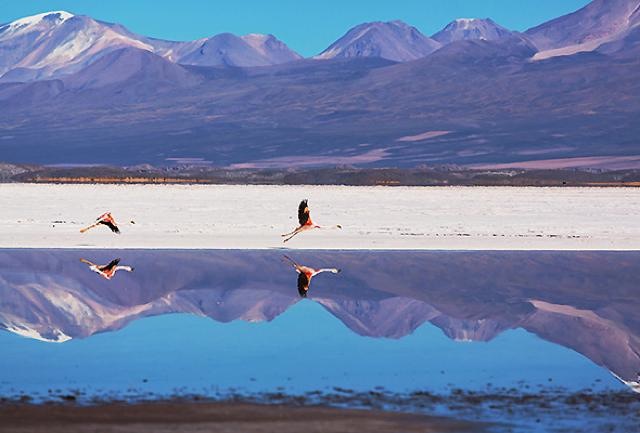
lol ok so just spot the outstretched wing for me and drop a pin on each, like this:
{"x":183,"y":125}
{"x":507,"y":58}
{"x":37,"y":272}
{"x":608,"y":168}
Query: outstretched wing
{"x":303,"y":284}
{"x":303,"y":212}
{"x":114,"y":228}
{"x":112,"y":264}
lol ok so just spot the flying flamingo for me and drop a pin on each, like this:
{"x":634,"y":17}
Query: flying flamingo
{"x":305,"y":221}
{"x":305,"y":274}
{"x":105,"y":219}
{"x":109,"y":270}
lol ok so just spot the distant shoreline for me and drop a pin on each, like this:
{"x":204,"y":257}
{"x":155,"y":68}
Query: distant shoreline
{"x":348,"y":176}
{"x":343,"y":411}
{"x":197,"y":181}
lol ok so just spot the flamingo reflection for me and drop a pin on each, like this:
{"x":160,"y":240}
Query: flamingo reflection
{"x":109,"y":270}
{"x":305,"y":274}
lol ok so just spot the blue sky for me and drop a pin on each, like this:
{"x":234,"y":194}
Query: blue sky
{"x":306,"y":26}
{"x":183,"y":352}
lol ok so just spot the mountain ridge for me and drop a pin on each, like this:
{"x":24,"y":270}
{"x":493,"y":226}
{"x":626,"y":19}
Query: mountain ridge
{"x":59,"y":43}
{"x":393,"y":40}
{"x":599,"y":22}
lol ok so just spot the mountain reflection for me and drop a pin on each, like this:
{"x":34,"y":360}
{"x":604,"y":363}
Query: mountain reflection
{"x":586,"y":301}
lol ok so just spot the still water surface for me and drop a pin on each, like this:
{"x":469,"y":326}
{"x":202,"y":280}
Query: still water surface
{"x":210,"y":322}
{"x":531,"y":341}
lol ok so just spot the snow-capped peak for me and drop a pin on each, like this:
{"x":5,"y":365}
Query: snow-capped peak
{"x":393,"y":40}
{"x":55,"y":17}
{"x":471,"y":29}
{"x":57,"y":336}
{"x":256,"y":37}
{"x":271,"y":48}
{"x":39,"y":22}
{"x":257,"y":41}
{"x":465,"y":22}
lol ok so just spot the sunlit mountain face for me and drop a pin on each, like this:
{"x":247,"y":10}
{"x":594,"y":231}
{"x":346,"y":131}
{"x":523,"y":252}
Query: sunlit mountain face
{"x":383,"y":95}
{"x":569,"y":302}
{"x":58,"y":43}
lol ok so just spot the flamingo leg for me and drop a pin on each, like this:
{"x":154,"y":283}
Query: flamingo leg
{"x":289,"y":234}
{"x":295,"y":232}
{"x":291,"y":260}
{"x":295,"y":265}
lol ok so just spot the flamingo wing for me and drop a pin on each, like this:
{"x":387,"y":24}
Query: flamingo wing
{"x":303,"y":284}
{"x":112,"y":264}
{"x":303,"y":213}
{"x":114,"y":228}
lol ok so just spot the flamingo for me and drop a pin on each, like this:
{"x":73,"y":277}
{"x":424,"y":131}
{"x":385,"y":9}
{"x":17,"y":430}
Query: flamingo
{"x":105,"y":219}
{"x":109,"y":270}
{"x":304,"y":218}
{"x":305,"y":274}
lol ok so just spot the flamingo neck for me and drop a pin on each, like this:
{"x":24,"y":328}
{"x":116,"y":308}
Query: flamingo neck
{"x":332,"y":270}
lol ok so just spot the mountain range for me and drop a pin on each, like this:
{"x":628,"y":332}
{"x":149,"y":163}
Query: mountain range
{"x":600,"y":22}
{"x":58,"y":43}
{"x":75,"y":90}
{"x":51,"y":296}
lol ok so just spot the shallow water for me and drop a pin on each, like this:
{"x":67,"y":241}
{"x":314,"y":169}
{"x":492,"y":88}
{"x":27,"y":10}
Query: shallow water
{"x":220,"y":323}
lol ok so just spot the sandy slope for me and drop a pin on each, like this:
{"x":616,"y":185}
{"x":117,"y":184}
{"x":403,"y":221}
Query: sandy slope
{"x":179,"y":216}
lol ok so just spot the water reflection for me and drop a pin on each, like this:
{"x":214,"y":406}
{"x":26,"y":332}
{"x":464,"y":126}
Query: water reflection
{"x":306,"y":273}
{"x":109,"y":270}
{"x":585,"y":301}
